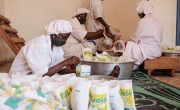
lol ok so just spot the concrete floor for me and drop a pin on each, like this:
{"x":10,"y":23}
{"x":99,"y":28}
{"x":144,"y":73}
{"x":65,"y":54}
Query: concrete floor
{"x":174,"y":81}
{"x":166,"y":78}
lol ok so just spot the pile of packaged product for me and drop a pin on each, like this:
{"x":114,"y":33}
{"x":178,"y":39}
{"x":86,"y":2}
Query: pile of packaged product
{"x":104,"y":57}
{"x":168,"y":48}
{"x":64,"y":92}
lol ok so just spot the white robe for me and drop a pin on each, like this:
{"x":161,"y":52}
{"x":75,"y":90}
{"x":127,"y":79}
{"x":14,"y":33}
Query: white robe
{"x":76,"y":42}
{"x":37,"y":57}
{"x":96,"y":10}
{"x":145,"y":43}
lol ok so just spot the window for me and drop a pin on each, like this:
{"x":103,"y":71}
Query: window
{"x":178,"y":24}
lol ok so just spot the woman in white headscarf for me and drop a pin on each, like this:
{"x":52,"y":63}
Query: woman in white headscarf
{"x":145,"y":42}
{"x":79,"y":37}
{"x":44,"y":55}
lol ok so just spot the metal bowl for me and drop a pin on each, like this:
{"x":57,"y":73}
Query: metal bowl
{"x":105,"y":68}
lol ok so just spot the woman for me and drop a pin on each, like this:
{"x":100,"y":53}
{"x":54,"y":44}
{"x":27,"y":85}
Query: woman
{"x":44,"y":55}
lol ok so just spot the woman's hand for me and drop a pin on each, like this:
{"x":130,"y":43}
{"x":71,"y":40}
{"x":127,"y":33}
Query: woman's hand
{"x":107,"y":29}
{"x":100,"y":32}
{"x":71,"y":61}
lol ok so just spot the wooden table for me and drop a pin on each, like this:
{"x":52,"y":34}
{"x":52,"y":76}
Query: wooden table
{"x":162,"y":63}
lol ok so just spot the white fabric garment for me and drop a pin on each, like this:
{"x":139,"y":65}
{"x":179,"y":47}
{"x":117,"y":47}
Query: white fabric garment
{"x":145,"y":7}
{"x":37,"y":57}
{"x":58,"y":26}
{"x":96,"y":10}
{"x":80,"y":11}
{"x":76,"y":42}
{"x":145,"y":42}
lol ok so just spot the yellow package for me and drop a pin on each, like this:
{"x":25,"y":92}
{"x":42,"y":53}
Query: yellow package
{"x":98,"y":102}
{"x":99,"y":98}
{"x":63,"y":94}
{"x":127,"y":94}
{"x":87,"y":54}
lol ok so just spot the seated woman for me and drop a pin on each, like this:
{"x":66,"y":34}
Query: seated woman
{"x":145,"y":42}
{"x":79,"y":37}
{"x":43,"y":55}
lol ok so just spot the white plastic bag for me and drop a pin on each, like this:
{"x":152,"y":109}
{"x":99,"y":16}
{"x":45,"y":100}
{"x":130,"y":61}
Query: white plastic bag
{"x":48,"y":87}
{"x":16,"y":81}
{"x":6,"y":80}
{"x":35,"y":84}
{"x":19,"y":75}
{"x":4,"y":75}
{"x":35,"y":94}
{"x":127,"y":94}
{"x":23,"y":79}
{"x":99,"y":98}
{"x":63,"y":94}
{"x":56,"y":76}
{"x":45,"y":79}
{"x":70,"y":79}
{"x":115,"y":98}
{"x":59,"y":79}
{"x":80,"y":94}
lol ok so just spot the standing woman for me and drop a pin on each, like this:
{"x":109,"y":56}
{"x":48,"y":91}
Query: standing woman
{"x":96,"y":22}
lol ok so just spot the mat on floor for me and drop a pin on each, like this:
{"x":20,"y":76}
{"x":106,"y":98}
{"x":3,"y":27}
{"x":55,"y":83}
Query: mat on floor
{"x":151,"y":94}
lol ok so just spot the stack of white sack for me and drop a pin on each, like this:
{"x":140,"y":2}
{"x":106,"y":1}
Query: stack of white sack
{"x":60,"y":87}
{"x":104,"y":95}
{"x":36,"y":91}
{"x":64,"y":92}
